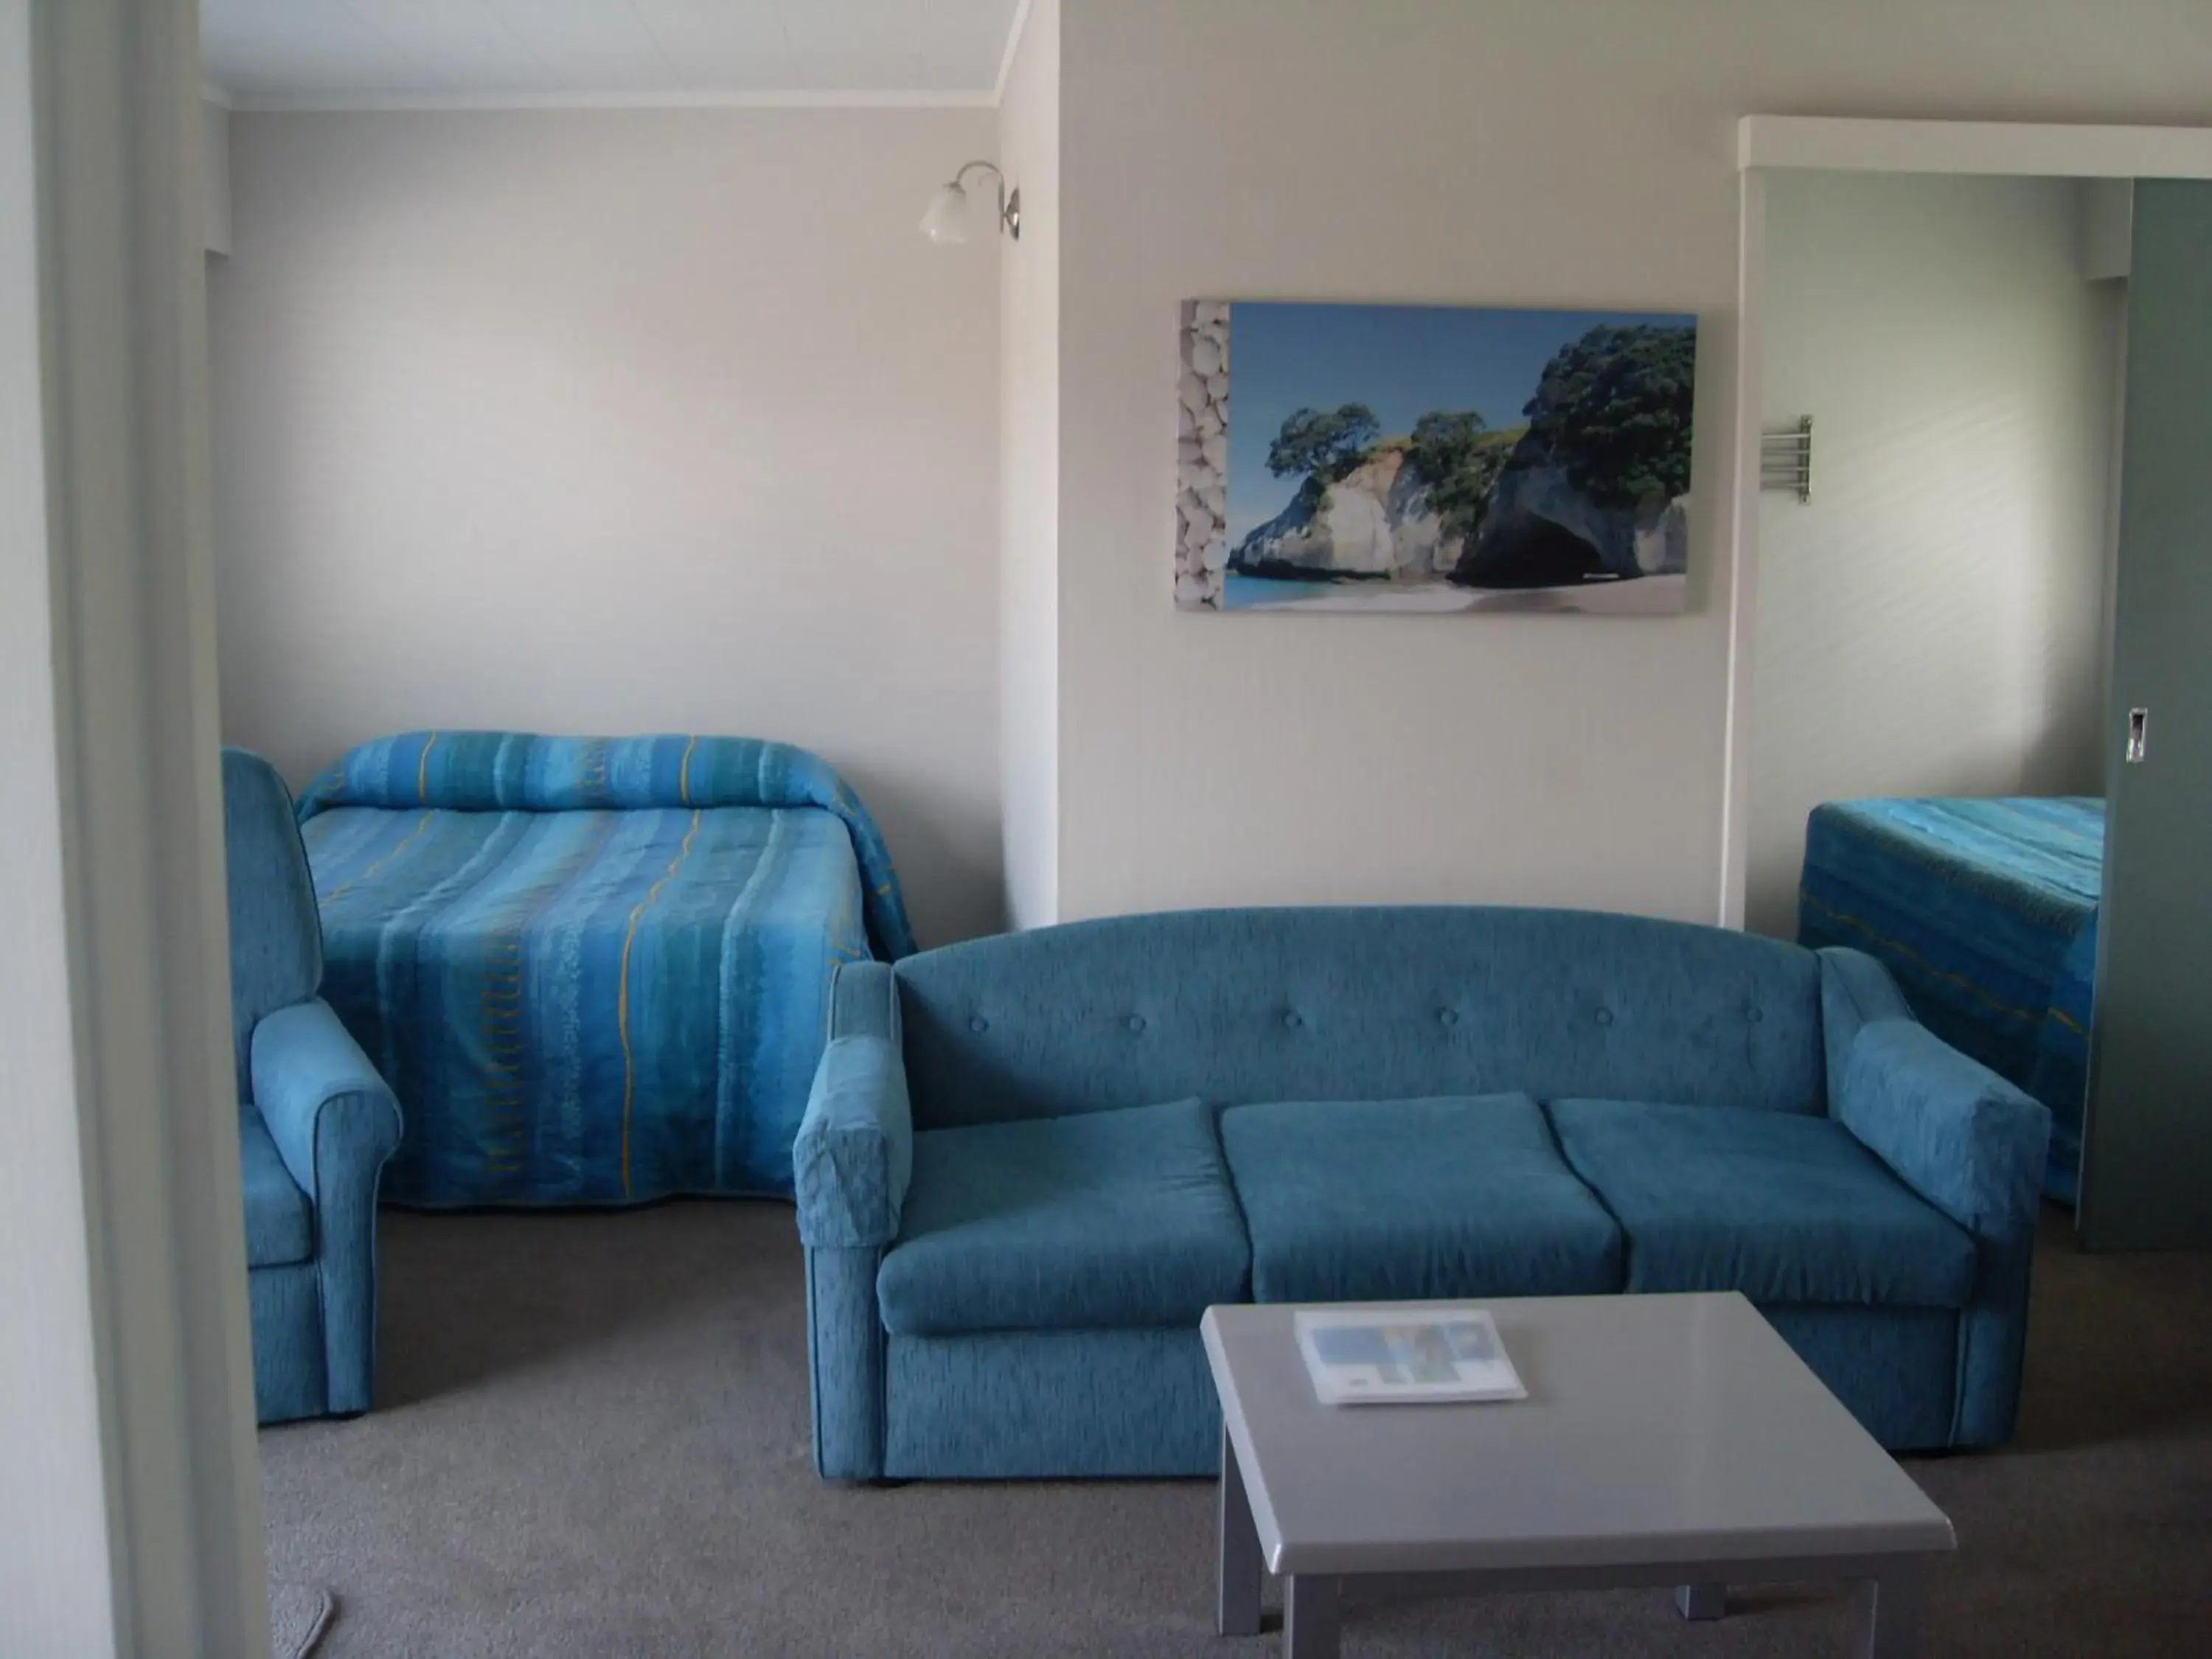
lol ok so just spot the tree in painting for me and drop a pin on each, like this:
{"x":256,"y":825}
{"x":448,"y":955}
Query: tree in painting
{"x":1614,"y":409}
{"x":1323,"y":446}
{"x":1458,"y":458}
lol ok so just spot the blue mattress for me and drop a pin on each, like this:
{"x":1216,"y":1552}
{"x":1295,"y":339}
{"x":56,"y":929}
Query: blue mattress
{"x":1985,"y":911}
{"x":594,"y":971}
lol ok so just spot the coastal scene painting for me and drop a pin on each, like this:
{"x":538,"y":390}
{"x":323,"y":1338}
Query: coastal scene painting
{"x":1423,"y":459}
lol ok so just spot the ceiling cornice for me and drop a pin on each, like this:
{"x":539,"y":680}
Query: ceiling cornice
{"x":1013,"y":47}
{"x":368,"y":102}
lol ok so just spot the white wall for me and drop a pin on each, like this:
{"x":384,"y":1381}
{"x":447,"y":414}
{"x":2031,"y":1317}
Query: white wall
{"x":1028,"y":475}
{"x":615,"y":422}
{"x":1566,"y":155}
{"x":1932,"y":623}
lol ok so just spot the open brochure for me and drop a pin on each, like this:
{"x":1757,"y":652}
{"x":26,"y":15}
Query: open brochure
{"x":1440,"y":1353}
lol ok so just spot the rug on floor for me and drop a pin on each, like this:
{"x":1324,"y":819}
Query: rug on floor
{"x":298,"y":1616}
{"x":590,"y":1439}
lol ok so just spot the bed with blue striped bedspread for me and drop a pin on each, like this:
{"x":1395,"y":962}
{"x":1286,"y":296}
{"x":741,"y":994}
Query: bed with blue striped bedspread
{"x":1985,"y":911}
{"x":594,"y":971}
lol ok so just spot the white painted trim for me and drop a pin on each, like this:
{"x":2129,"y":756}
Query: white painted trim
{"x":215,"y":177}
{"x":1846,"y":145}
{"x":1013,"y":49}
{"x":58,"y":1586}
{"x":1743,"y":543}
{"x":332,"y":103}
{"x":132,"y":774}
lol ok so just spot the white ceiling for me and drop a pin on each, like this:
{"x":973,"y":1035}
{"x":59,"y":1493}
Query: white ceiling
{"x":325,"y":54}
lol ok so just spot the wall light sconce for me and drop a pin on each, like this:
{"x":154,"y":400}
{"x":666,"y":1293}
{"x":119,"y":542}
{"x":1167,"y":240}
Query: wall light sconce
{"x":947,"y":218}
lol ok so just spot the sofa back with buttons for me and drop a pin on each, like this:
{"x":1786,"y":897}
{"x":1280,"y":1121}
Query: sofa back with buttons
{"x":1359,"y":1003}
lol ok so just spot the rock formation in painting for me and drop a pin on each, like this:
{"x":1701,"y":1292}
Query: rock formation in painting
{"x":1379,"y":520}
{"x":1594,"y":488}
{"x":1597,"y":486}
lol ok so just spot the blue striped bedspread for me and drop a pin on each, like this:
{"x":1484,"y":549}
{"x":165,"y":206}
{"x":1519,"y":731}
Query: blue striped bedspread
{"x":594,"y":971}
{"x":1985,"y":911}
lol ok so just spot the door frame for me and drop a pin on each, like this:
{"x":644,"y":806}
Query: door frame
{"x":1767,"y":144}
{"x":131,"y":1521}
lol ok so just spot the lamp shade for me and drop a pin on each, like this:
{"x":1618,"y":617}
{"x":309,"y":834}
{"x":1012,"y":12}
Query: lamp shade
{"x":947,"y":218}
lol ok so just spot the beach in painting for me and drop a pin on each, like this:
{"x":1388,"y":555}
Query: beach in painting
{"x":1651,"y":596}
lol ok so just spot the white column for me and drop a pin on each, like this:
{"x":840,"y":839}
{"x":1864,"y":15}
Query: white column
{"x":130,"y":1517}
{"x":56,"y":1593}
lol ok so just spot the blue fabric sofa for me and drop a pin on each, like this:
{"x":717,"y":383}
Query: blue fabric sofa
{"x":315,"y":1122}
{"x":1029,"y":1162}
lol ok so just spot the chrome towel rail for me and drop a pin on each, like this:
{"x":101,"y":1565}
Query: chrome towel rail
{"x":1785,"y":460}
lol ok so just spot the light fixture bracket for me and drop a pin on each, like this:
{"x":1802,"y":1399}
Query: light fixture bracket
{"x":1009,"y":204}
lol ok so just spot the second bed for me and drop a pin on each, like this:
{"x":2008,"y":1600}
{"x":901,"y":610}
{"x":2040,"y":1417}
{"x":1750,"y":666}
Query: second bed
{"x":1985,"y":913}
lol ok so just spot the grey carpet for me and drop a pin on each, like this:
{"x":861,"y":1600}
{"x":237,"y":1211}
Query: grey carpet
{"x":590,"y":1440}
{"x":299,"y":1614}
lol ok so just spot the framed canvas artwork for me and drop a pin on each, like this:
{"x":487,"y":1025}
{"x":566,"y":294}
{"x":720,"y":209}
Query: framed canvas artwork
{"x":1432,"y":459}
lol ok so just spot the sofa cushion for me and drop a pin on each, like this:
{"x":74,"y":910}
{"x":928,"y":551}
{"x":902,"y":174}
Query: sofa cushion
{"x":1107,"y":1219}
{"x":280,"y":1222}
{"x":1390,"y":1199}
{"x":1785,"y":1208}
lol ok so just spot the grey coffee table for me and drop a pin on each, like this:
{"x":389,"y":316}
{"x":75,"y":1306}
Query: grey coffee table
{"x":1665,"y":1440}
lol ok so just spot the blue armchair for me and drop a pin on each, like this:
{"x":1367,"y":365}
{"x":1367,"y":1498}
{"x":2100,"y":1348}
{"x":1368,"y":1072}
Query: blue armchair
{"x":315,"y":1122}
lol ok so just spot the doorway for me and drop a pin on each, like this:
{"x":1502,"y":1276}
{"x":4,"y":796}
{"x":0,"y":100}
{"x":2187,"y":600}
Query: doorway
{"x":1922,"y":733}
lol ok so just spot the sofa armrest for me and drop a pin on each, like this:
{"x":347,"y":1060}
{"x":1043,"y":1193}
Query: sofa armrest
{"x":845,"y":1362}
{"x":864,"y":1001}
{"x":854,"y":1154}
{"x":335,"y":1125}
{"x":1973,"y":1146}
{"x":1855,"y":991}
{"x":334,"y":1121}
{"x":1963,"y":1138}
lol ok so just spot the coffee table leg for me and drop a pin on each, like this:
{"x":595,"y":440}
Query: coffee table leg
{"x":1701,"y":1601}
{"x":1313,"y":1616}
{"x":1892,"y":1604}
{"x":1237,"y":1607}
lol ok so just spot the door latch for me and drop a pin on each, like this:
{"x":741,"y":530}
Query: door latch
{"x":2138,"y":734}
